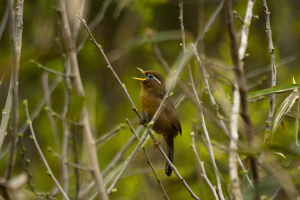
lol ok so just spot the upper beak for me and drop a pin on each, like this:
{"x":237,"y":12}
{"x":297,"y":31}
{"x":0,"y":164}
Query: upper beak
{"x":140,"y":79}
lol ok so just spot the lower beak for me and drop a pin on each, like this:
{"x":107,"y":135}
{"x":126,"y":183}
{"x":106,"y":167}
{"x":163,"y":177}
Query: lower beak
{"x":140,"y":79}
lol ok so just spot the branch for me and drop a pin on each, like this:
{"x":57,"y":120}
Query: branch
{"x":16,"y":28}
{"x":64,"y":160}
{"x":74,"y":70}
{"x":50,"y":117}
{"x":240,"y":77}
{"x":202,"y":167}
{"x":149,"y":161}
{"x":71,"y":52}
{"x":54,"y":114}
{"x":4,"y":20}
{"x":233,"y":145}
{"x":273,"y":70}
{"x":50,"y":70}
{"x":115,"y":130}
{"x":210,"y":22}
{"x":94,"y":23}
{"x":41,"y":153}
{"x":40,"y":105}
{"x":198,"y":101}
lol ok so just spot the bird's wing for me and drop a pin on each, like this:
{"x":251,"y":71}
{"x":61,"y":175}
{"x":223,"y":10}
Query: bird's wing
{"x":172,"y":115}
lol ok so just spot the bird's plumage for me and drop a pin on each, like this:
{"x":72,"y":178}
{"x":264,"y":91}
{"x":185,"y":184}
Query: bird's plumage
{"x":168,"y":123}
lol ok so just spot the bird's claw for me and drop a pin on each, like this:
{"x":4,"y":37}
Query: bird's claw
{"x":142,"y":121}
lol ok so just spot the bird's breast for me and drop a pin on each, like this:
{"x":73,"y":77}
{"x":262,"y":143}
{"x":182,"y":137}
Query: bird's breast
{"x":162,"y":125}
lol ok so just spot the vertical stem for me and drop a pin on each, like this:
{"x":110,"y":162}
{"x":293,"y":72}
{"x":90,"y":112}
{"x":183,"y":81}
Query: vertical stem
{"x":74,"y":72}
{"x":240,"y":76}
{"x":16,"y":27}
{"x":233,"y":145}
{"x":76,"y":170}
{"x":273,"y":70}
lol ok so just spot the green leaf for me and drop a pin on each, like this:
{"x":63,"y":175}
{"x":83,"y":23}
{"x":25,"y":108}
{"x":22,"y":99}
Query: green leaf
{"x":274,"y":90}
{"x":283,"y":109}
{"x":259,"y":95}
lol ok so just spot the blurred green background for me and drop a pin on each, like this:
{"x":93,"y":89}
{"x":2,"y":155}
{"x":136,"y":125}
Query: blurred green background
{"x":123,"y":35}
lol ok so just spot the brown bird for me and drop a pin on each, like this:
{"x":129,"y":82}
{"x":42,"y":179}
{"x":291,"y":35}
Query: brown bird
{"x":167,"y":124}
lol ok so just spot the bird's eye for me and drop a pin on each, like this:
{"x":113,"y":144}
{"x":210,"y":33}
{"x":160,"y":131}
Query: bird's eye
{"x":150,"y":76}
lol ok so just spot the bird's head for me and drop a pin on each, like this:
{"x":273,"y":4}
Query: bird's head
{"x":153,"y":81}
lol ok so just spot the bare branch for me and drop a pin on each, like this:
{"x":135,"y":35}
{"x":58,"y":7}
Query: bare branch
{"x":75,"y":165}
{"x":41,"y":153}
{"x":41,"y":103}
{"x":50,"y":70}
{"x":273,"y":70}
{"x":71,"y":52}
{"x":16,"y":29}
{"x":50,"y":117}
{"x":240,"y":76}
{"x":233,"y":144}
{"x":202,"y":167}
{"x":4,"y":20}
{"x":149,"y":161}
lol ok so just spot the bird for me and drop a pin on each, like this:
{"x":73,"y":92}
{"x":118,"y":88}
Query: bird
{"x":168,"y":123}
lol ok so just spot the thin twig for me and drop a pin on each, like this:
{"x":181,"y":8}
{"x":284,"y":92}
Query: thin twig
{"x":202,"y":167}
{"x":208,"y":91}
{"x":41,"y":103}
{"x":196,"y":96}
{"x":240,"y":76}
{"x":273,"y":70}
{"x":4,"y":20}
{"x":75,"y":151}
{"x":41,"y":153}
{"x":5,"y":72}
{"x":149,"y":161}
{"x":245,"y":171}
{"x":94,"y":23}
{"x":281,"y":175}
{"x":210,"y":22}
{"x":6,"y":114}
{"x":77,"y":22}
{"x":50,"y":117}
{"x":113,"y":162}
{"x":115,"y":130}
{"x":238,"y":16}
{"x":54,"y":114}
{"x":49,"y":69}
{"x":27,"y":161}
{"x":64,"y":160}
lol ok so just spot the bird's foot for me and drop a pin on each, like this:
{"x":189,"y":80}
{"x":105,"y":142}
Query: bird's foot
{"x":142,"y":121}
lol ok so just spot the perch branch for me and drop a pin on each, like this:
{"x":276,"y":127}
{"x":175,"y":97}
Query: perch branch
{"x":149,"y":161}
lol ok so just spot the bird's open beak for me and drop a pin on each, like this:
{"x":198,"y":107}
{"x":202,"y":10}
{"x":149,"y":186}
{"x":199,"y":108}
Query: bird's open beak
{"x":140,"y":79}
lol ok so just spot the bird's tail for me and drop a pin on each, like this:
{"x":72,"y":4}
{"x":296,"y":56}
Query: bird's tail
{"x":170,"y":148}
